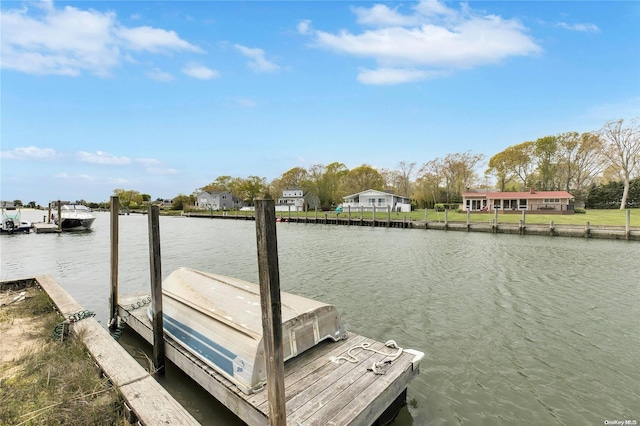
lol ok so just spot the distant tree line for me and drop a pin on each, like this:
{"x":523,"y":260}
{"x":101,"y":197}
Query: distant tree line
{"x":591,"y":166}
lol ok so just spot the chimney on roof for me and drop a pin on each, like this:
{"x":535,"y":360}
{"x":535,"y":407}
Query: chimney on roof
{"x":532,"y":190}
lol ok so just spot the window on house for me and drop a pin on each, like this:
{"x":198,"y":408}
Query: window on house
{"x":382,"y":201}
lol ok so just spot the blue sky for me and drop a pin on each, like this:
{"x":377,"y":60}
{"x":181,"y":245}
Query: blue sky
{"x":163,"y":97}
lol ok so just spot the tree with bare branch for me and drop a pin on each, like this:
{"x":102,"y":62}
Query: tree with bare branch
{"x":620,"y":145}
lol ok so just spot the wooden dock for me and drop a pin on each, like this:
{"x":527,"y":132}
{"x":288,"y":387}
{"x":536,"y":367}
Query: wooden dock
{"x":45,"y":228}
{"x":318,"y":391}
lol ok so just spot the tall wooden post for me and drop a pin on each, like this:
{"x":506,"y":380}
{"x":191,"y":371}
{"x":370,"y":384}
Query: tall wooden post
{"x":59,"y":216}
{"x":388,"y":216}
{"x":271,"y":308}
{"x":374,"y":215}
{"x":627,"y":229}
{"x":113,"y":299}
{"x":156,"y":289}
{"x":468,"y":219}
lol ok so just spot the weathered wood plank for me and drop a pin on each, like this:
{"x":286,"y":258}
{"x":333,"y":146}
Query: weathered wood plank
{"x":147,"y":398}
{"x":326,"y":385}
{"x":373,"y":400}
{"x":300,"y":367}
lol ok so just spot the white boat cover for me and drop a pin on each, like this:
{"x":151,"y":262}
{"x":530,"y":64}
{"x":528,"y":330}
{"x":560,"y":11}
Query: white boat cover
{"x":219,"y":320}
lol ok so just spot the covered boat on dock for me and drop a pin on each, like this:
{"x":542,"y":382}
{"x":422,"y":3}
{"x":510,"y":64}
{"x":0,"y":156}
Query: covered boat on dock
{"x":218,"y":319}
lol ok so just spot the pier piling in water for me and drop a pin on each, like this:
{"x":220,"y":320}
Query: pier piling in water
{"x":269,"y":274}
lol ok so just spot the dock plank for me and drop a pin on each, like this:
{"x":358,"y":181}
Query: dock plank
{"x":373,"y":396}
{"x":151,"y":403}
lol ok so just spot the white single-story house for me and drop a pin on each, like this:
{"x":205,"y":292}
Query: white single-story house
{"x":218,"y":200}
{"x":530,"y":201}
{"x":371,"y":198}
{"x":297,"y":200}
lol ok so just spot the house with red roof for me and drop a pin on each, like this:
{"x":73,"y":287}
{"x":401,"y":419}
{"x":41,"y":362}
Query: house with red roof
{"x":532,"y":201}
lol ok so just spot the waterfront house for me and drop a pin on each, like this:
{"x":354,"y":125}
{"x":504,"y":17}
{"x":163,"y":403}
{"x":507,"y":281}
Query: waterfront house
{"x":367,"y":200}
{"x":218,"y":200}
{"x":530,"y":201}
{"x":297,"y":200}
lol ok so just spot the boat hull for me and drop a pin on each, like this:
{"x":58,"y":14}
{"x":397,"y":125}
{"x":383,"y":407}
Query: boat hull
{"x":218,"y":319}
{"x":77,"y":224}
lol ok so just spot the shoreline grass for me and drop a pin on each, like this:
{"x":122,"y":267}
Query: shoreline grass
{"x":51,"y":382}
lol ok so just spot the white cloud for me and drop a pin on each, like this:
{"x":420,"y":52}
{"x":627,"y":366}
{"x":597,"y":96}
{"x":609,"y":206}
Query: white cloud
{"x":200,"y":72}
{"x":69,"y":41}
{"x":258,"y":61}
{"x":433,"y":38}
{"x":304,"y":26}
{"x":100,"y":157}
{"x":29,"y":153}
{"x":387,"y":76}
{"x":154,"y":40}
{"x":381,"y":15}
{"x":159,"y":75}
{"x":587,"y":28}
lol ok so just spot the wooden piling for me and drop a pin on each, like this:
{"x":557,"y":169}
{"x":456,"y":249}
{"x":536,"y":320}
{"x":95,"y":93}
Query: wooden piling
{"x":59,"y":216}
{"x":587,"y":230}
{"x":552,"y":228}
{"x":113,"y":299}
{"x":269,"y":277}
{"x":627,"y":229}
{"x":156,"y":289}
{"x":374,"y":216}
{"x":468,"y":220}
{"x":388,"y":216}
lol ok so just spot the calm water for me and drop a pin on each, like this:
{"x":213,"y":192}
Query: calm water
{"x":516,"y":329}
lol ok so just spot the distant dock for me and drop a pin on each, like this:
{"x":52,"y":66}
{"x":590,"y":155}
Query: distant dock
{"x":45,"y":228}
{"x":384,"y":220}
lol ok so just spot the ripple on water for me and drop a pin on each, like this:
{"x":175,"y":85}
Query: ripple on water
{"x":516,"y":329}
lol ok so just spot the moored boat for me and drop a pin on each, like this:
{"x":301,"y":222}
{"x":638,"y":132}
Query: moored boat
{"x":12,"y":223}
{"x":218,"y":319}
{"x":74,"y":217}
